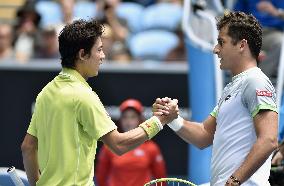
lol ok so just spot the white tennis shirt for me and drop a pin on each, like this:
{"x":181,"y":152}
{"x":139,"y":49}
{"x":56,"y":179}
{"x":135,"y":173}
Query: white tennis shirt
{"x":249,"y":92}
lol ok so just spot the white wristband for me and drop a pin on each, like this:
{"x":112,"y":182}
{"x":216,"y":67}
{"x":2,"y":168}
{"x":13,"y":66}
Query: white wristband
{"x":176,"y":124}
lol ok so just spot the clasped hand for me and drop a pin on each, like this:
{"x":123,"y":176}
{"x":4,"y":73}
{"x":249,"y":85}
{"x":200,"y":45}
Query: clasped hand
{"x":166,"y":109}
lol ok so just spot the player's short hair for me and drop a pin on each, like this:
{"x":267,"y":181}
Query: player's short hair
{"x":242,"y":26}
{"x":80,"y":34}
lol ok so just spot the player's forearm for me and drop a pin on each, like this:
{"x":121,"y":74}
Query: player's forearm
{"x":121,"y":143}
{"x":130,"y":140}
{"x":259,"y":153}
{"x":148,"y":129}
{"x":194,"y":133}
{"x":31,"y":166}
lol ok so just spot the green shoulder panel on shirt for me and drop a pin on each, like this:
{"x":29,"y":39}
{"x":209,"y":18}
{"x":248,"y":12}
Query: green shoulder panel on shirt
{"x":263,"y":107}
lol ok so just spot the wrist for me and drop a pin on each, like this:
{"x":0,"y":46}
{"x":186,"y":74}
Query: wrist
{"x":176,"y":124}
{"x":152,"y":126}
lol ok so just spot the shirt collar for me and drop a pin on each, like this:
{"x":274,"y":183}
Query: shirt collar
{"x":73,"y":74}
{"x":244,"y":72}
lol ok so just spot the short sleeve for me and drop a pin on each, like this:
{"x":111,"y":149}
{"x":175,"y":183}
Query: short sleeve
{"x":92,"y":115}
{"x":259,"y":94}
{"x":32,"y":130}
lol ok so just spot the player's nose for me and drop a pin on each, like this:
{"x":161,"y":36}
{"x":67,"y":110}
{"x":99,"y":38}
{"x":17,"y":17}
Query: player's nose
{"x":216,"y":49}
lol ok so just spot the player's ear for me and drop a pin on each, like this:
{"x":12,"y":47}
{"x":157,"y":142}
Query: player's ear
{"x":82,"y":55}
{"x":243,"y":44}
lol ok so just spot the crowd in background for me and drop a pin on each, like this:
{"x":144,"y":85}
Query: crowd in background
{"x":134,"y":30}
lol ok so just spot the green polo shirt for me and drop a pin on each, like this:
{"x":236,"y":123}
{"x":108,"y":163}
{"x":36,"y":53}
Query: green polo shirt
{"x":68,"y":120}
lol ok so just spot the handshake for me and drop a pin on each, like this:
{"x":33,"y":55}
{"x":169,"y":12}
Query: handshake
{"x":166,"y":109}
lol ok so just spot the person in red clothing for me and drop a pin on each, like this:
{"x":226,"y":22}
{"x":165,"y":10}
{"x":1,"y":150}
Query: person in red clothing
{"x":135,"y":167}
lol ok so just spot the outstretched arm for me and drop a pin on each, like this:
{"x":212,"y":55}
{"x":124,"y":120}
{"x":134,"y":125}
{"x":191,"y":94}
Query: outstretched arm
{"x":198,"y":134}
{"x":121,"y":143}
{"x":268,"y":7}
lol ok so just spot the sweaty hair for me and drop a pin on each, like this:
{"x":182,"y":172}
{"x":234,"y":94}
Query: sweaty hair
{"x":80,"y":34}
{"x":242,"y":26}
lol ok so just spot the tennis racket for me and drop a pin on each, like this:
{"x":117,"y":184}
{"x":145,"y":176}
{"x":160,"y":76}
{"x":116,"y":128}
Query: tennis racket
{"x":14,"y":176}
{"x":169,"y":181}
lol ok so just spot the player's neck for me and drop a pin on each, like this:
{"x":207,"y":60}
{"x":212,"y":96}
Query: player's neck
{"x":243,"y":66}
{"x":81,"y":71}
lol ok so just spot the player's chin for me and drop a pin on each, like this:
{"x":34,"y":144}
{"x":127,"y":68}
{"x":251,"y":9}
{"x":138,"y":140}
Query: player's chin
{"x":94,"y":74}
{"x":222,"y":67}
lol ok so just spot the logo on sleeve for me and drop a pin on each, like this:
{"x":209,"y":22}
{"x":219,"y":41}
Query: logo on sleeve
{"x":265,"y":93}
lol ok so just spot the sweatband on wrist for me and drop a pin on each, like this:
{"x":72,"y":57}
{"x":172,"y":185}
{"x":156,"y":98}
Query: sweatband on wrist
{"x":152,"y":126}
{"x":176,"y":124}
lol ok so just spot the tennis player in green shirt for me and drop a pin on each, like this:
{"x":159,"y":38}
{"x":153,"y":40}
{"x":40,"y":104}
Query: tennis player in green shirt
{"x":60,"y":145}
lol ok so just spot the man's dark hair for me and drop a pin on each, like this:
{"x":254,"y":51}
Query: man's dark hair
{"x":80,"y":34}
{"x":243,"y":26}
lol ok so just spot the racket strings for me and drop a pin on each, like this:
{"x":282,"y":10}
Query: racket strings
{"x":169,"y":182}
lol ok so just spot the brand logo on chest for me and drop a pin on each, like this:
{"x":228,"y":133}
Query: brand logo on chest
{"x":228,"y":97}
{"x":263,"y":93}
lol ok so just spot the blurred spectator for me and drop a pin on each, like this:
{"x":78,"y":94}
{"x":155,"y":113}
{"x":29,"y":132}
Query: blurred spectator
{"x":27,"y":31}
{"x":116,"y":50}
{"x":48,"y":48}
{"x":179,"y":2}
{"x":268,"y":7}
{"x":120,"y":53}
{"x":272,"y":30}
{"x":179,"y":52}
{"x":116,"y":31}
{"x":67,"y":7}
{"x":6,"y":48}
{"x":151,"y":2}
{"x":135,"y":167}
{"x":142,"y":2}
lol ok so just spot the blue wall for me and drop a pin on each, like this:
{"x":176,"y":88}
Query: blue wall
{"x":202,"y":102}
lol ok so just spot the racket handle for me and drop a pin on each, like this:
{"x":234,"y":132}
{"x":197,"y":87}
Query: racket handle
{"x":15,"y":178}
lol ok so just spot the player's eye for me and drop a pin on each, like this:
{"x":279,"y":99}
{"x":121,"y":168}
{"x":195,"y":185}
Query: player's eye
{"x":220,"y":42}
